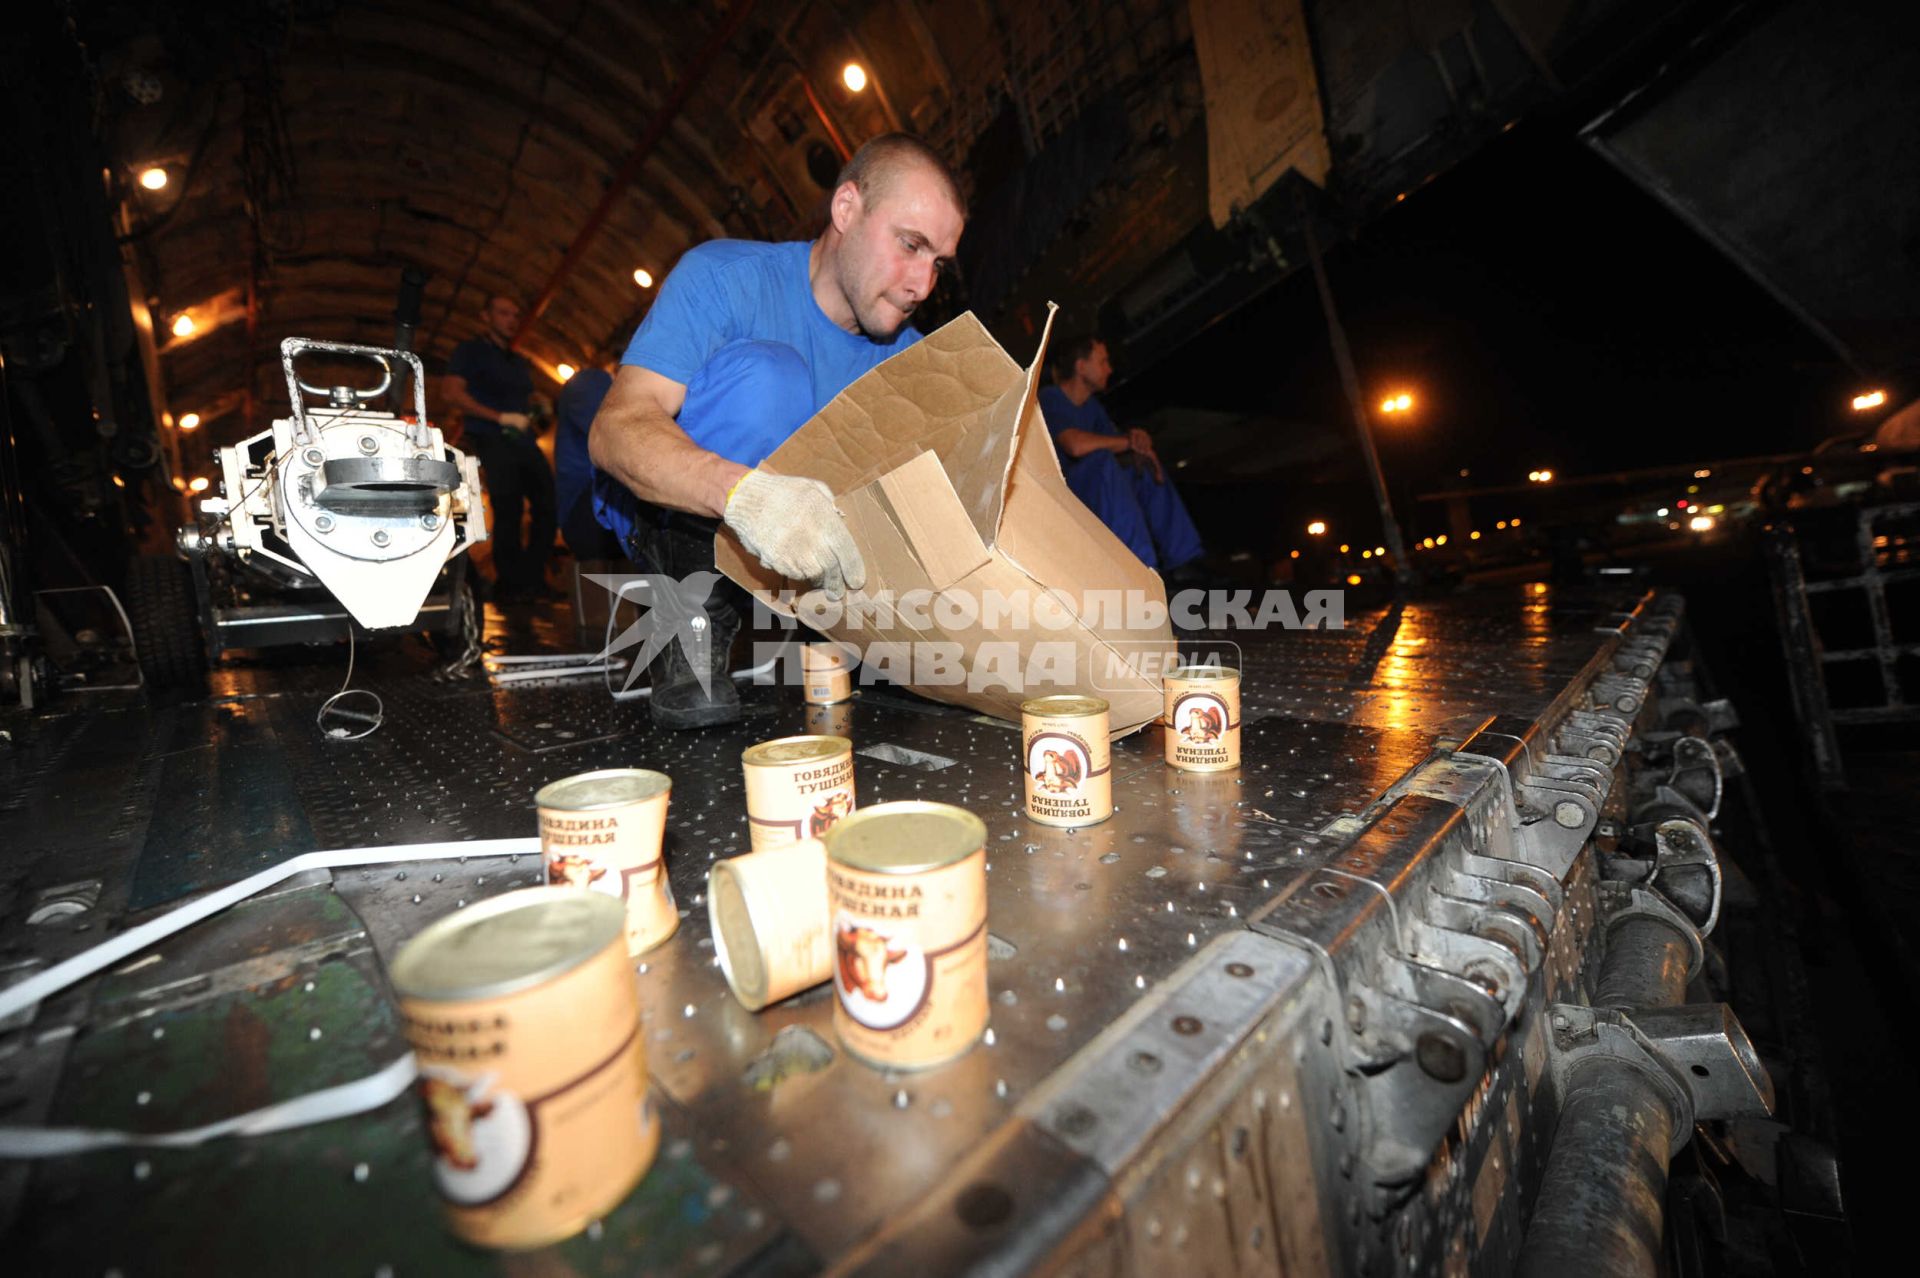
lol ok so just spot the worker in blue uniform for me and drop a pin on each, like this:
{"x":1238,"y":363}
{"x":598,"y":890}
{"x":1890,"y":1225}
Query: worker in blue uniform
{"x":1115,"y":472}
{"x":573,"y":413}
{"x":746,"y":342}
{"x":491,"y":386}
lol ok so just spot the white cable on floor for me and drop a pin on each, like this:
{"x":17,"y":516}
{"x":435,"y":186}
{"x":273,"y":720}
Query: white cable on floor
{"x":355,"y":1097}
{"x":373,"y":720}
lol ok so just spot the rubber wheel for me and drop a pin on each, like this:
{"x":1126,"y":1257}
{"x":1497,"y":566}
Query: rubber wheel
{"x":166,"y":622}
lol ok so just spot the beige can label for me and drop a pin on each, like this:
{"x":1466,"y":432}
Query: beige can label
{"x":792,"y":801}
{"x":616,"y":852}
{"x":1069,"y":775}
{"x":910,"y":961}
{"x":784,"y":890}
{"x":536,"y":1103}
{"x":1203,"y":724}
{"x":827,"y":687}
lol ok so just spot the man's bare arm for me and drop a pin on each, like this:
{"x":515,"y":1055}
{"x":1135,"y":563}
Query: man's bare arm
{"x":454,"y":392}
{"x":1075,"y":442}
{"x":635,"y":439}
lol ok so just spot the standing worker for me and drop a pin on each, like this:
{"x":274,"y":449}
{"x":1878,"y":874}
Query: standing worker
{"x":573,"y":413}
{"x":491,"y":386}
{"x":746,"y":342}
{"x":1115,"y":472}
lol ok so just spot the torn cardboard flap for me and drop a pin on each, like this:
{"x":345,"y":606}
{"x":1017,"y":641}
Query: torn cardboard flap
{"x":942,"y":466}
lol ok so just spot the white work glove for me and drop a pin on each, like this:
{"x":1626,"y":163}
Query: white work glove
{"x":513,"y":421}
{"x":791,"y":526}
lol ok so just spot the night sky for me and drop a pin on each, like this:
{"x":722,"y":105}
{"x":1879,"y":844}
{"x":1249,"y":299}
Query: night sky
{"x":1544,"y":312}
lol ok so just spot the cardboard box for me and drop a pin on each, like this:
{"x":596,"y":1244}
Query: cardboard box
{"x":942,"y":465}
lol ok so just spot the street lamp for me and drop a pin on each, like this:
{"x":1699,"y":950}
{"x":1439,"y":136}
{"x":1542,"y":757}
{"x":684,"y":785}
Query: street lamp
{"x":854,"y":76}
{"x":154,"y":179}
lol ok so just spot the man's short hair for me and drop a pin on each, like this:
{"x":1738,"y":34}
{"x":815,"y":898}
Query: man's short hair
{"x":500,"y":297}
{"x":1071,"y":351}
{"x":879,"y":162}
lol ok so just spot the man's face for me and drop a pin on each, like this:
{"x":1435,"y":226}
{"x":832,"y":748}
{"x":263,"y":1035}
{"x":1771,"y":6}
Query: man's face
{"x":892,"y":253}
{"x":1093,"y":368}
{"x":503,"y":317}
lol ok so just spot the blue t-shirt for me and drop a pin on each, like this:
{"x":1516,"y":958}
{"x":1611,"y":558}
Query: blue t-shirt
{"x":497,"y":377}
{"x":579,"y":400}
{"x":728,"y":290}
{"x":1063,"y":414}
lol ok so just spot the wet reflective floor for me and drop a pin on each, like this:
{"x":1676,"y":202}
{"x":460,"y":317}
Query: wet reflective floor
{"x":788,"y":1153}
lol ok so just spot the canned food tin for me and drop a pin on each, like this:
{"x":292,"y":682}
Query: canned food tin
{"x":908,"y":887}
{"x":797,"y":787}
{"x":1203,"y":718}
{"x":602,"y":831}
{"x":826,"y":671}
{"x":831,"y":721}
{"x":771,"y":924}
{"x":525,"y":1019}
{"x":1068,"y":769}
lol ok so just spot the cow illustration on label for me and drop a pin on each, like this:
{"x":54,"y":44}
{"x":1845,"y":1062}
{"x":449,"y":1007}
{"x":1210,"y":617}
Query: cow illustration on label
{"x":573,"y":870}
{"x":481,"y":1135}
{"x":821,"y":819}
{"x":881,"y":979}
{"x":1201,"y":720}
{"x":1057,"y":764}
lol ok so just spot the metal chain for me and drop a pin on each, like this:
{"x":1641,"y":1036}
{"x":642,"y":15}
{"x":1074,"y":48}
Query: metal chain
{"x":467,"y":660}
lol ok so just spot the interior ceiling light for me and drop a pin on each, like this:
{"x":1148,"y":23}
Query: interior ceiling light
{"x":854,"y":76}
{"x":183,"y":325}
{"x":643,"y":277}
{"x":1316,"y":528}
{"x":199,"y":484}
{"x":154,"y":179}
{"x":190,"y":421}
{"x":1872,"y":399}
{"x":563,"y":371}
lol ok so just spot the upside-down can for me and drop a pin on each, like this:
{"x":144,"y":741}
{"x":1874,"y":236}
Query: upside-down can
{"x":831,"y":721}
{"x":1068,"y":769}
{"x":1203,"y":718}
{"x":772,"y":929}
{"x":826,"y":672}
{"x":797,"y":787}
{"x":602,"y":831}
{"x":907,"y":883}
{"x":524,"y":1017}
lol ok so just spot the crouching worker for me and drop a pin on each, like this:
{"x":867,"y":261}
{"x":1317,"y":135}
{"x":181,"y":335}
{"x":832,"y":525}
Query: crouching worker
{"x":1115,"y":472}
{"x":745,"y":343}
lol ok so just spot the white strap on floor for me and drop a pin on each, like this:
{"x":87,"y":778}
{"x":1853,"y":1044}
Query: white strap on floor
{"x":356,"y":1097}
{"x":347,"y":1099}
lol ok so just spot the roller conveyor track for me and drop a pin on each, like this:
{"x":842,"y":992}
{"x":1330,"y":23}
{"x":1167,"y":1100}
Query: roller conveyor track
{"x":1163,"y":1083}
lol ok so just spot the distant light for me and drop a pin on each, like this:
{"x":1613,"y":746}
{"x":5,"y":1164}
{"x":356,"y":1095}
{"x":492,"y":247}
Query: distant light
{"x":1366,"y":554}
{"x":1295,"y":555}
{"x":1869,"y":448}
{"x":190,"y":421}
{"x":1701,"y":523}
{"x":1353,"y":579}
{"x":1403,"y":403}
{"x":1716,"y":509}
{"x":854,"y":76}
{"x":1540,"y":476}
{"x":1426,"y":543}
{"x":180,"y":483}
{"x":1660,"y":513}
{"x":1441,"y":540}
{"x":1693,"y":488}
{"x":1872,"y":399}
{"x":154,"y":179}
{"x":1683,"y":503}
{"x":183,"y":325}
{"x":1501,"y":525}
{"x":1701,"y":474}
{"x":1316,"y":528}
{"x":199,"y":484}
{"x":643,"y":277}
{"x":1380,"y":550}
{"x":119,"y":482}
{"x":563,"y":371}
{"x":1806,"y":470}
{"x":1396,"y":403}
{"x":1514,"y":523}
{"x":1464,"y":472}
{"x":1474,"y":535}
{"x":1344,"y":548}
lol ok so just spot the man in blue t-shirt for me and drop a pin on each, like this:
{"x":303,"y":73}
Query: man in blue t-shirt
{"x":746,"y":342}
{"x":491,"y":386}
{"x":1115,"y":472}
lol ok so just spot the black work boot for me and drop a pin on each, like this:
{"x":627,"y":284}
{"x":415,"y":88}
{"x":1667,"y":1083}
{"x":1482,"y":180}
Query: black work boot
{"x":677,"y":700}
